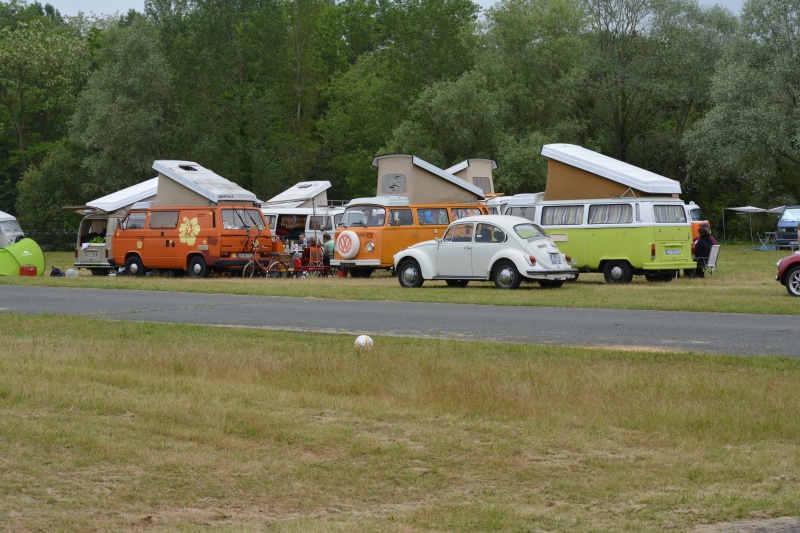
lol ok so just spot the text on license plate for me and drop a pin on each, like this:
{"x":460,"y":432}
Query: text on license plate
{"x":673,"y":251}
{"x":555,"y":258}
{"x":91,"y":254}
{"x":245,"y":256}
{"x":347,"y":264}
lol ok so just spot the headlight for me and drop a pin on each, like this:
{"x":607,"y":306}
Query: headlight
{"x":370,"y":246}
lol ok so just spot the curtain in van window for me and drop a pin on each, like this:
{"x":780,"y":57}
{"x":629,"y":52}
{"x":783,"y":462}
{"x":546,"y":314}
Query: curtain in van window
{"x":461,"y":212}
{"x":669,"y":214}
{"x":562,"y":215}
{"x":163,"y":220}
{"x":610,"y":214}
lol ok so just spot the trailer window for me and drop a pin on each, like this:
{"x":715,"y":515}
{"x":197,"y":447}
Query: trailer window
{"x":610,"y":214}
{"x":163,"y":220}
{"x":669,"y":214}
{"x":562,"y":215}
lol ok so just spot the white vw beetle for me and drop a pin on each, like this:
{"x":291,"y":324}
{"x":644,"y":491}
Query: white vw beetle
{"x":504,"y":249}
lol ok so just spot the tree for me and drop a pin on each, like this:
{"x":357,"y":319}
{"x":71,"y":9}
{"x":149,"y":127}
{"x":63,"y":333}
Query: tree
{"x":748,"y":142}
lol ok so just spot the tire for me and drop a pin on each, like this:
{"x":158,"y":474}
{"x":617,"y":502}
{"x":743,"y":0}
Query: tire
{"x":618,"y":272}
{"x":409,"y":274}
{"x":660,"y":277}
{"x":134,"y":266}
{"x":277,"y":270}
{"x":248,"y":270}
{"x":506,"y":276}
{"x":197,"y":267}
{"x":551,"y":283}
{"x":99,"y":271}
{"x":793,"y":281}
{"x":457,"y":283}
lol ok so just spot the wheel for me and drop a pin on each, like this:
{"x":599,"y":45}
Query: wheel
{"x":660,"y":276}
{"x":99,"y":271}
{"x":277,"y":270}
{"x":793,"y":281}
{"x":363,"y":272}
{"x":134,"y":266}
{"x":248,"y":270}
{"x":409,"y":274}
{"x":459,"y":283}
{"x":506,"y":275}
{"x":551,"y":283}
{"x":197,"y":267}
{"x":618,"y":272}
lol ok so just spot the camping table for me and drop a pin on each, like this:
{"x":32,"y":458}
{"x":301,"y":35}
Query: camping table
{"x":768,"y":240}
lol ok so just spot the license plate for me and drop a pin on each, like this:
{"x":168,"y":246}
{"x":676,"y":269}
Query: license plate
{"x":91,"y":254}
{"x":245,"y":256}
{"x":347,"y":264}
{"x":555,"y":258}
{"x":673,"y":252}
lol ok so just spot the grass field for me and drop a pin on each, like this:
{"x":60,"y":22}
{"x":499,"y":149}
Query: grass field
{"x":746,"y":285}
{"x":108,"y":426}
{"x":114,"y":426}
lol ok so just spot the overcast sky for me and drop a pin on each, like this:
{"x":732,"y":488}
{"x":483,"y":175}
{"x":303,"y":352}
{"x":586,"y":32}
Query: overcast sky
{"x":109,"y":7}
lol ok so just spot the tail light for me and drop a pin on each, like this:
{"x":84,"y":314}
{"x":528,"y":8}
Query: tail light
{"x":653,"y":252}
{"x":532,"y":259}
{"x":568,"y":258}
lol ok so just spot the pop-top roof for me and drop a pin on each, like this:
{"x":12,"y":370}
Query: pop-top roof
{"x":612,"y":169}
{"x":125,"y":197}
{"x":386,"y":201}
{"x":301,"y":193}
{"x":203,"y":181}
{"x":433,"y":169}
{"x":5,"y":216}
{"x":455,"y":169}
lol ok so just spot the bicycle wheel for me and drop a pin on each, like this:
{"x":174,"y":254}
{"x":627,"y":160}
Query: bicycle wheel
{"x":248,"y":270}
{"x":277,"y":270}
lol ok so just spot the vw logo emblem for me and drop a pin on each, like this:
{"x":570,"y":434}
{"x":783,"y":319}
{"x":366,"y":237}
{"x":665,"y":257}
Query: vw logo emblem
{"x":345,"y":244}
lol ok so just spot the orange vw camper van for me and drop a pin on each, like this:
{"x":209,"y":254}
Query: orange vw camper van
{"x":372,"y":230}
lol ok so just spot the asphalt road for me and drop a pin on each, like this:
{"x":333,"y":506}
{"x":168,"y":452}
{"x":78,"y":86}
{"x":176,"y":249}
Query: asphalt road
{"x":720,"y":333}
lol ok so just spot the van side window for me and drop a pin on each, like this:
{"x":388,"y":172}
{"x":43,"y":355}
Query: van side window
{"x":458,"y":233}
{"x":134,"y":221}
{"x":562,"y":215}
{"x":318,"y":223}
{"x":461,"y":212}
{"x":429,"y":217}
{"x":610,"y":214}
{"x":401,"y":217}
{"x":524,"y":212}
{"x":669,"y":214}
{"x":163,"y":220}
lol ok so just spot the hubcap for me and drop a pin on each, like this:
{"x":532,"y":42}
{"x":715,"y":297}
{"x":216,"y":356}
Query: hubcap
{"x":134,"y":268}
{"x":794,"y":282}
{"x":616,"y":272}
{"x":505,"y":276}
{"x":409,"y":275}
{"x":197,"y":269}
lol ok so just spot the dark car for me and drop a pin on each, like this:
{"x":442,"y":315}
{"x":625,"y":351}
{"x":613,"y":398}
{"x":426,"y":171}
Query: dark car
{"x":789,"y":273}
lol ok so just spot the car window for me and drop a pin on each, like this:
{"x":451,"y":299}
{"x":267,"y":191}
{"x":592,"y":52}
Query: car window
{"x":489,"y":233}
{"x":462,"y":212}
{"x":529,"y":231}
{"x":134,"y":221}
{"x":669,"y":214}
{"x":458,"y":233}
{"x":401,"y":217}
{"x":432,"y":216}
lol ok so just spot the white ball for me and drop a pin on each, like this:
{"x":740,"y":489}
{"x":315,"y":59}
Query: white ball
{"x":364,"y":342}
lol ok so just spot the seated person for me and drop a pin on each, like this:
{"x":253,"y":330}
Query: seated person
{"x":702,"y":250}
{"x":312,"y":254}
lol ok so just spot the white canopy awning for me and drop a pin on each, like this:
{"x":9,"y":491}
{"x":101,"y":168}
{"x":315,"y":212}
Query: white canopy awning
{"x":749,"y":210}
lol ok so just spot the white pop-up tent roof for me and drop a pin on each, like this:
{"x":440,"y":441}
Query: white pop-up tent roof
{"x":5,"y":217}
{"x":140,"y":192}
{"x":749,"y":210}
{"x":187,"y":183}
{"x":575,"y":172}
{"x":303,"y":194}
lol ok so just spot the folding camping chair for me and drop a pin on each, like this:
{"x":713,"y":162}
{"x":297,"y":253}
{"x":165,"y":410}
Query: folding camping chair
{"x":711,"y":264}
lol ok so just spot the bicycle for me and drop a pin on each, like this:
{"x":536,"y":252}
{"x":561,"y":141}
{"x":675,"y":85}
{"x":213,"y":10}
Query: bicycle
{"x":275,"y":268}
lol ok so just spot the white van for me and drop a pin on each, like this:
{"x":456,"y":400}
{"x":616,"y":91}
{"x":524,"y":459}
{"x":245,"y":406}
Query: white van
{"x":10,"y":231}
{"x":288,"y":222}
{"x":620,"y":237}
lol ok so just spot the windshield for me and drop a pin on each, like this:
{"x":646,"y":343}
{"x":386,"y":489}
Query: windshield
{"x":529,"y":231}
{"x":696,"y":214}
{"x":242,"y":218}
{"x":363,"y":215}
{"x":791,"y":214}
{"x":10,"y":226}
